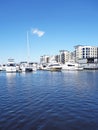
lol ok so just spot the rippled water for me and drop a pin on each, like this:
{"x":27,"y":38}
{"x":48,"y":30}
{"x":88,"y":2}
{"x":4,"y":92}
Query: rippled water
{"x":49,"y":101}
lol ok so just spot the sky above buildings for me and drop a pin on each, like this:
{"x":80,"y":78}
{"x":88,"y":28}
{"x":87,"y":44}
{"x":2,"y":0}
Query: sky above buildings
{"x":52,"y":25}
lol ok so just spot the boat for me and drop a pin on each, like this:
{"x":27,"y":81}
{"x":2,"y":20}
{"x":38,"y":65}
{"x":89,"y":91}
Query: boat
{"x":71,"y":66}
{"x":11,"y":66}
{"x":26,"y":67}
{"x":91,"y":66}
{"x":53,"y":66}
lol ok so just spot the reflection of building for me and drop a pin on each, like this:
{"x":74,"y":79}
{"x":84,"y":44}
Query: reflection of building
{"x":85,"y":52}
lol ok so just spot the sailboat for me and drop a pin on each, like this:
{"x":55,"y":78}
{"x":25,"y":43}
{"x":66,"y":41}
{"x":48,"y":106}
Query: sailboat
{"x":26,"y":66}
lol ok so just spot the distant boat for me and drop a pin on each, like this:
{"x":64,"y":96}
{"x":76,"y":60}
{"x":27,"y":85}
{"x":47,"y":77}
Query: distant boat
{"x":11,"y":66}
{"x":71,"y":66}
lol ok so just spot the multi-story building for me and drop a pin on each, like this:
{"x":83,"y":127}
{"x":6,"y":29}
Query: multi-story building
{"x":64,"y":56}
{"x":57,"y":58}
{"x":44,"y":59}
{"x":85,"y":52}
{"x":72,"y":56}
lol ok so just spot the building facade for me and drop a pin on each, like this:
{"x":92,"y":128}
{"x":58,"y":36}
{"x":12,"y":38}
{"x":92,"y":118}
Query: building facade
{"x":57,"y":58}
{"x":64,"y":56}
{"x":85,"y":52}
{"x":44,"y":59}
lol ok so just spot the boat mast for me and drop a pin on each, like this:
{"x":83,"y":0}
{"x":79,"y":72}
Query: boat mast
{"x":28,"y":48}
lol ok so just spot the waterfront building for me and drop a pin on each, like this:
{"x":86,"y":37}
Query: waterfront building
{"x":72,"y":56}
{"x":44,"y":59}
{"x":85,"y":52}
{"x":64,"y":56}
{"x":57,"y":58}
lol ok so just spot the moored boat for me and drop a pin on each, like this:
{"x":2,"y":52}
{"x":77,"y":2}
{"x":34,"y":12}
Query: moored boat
{"x":27,"y":67}
{"x":11,"y":66}
{"x":53,"y":66}
{"x":71,"y":66}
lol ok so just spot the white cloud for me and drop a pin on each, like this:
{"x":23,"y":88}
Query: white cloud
{"x":38,"y":32}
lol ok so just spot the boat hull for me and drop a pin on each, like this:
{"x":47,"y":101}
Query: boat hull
{"x":10,"y":69}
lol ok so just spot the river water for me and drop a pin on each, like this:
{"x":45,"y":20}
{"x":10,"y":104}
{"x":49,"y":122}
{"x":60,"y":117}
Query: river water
{"x":46,"y":100}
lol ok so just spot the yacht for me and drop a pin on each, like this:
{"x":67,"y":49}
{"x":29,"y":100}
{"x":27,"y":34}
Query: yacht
{"x":71,"y":66}
{"x":27,"y":67}
{"x":24,"y":67}
{"x":53,"y":66}
{"x":11,"y":66}
{"x":91,"y":66}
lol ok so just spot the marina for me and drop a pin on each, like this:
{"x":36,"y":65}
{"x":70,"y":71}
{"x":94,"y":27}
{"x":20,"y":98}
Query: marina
{"x":12,"y":67}
{"x":46,"y":100}
{"x":48,"y":65}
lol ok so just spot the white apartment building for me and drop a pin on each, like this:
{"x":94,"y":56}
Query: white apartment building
{"x":84,"y":52}
{"x":64,"y":56}
{"x":44,"y":59}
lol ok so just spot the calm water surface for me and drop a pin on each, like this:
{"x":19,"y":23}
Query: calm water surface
{"x":49,"y":101}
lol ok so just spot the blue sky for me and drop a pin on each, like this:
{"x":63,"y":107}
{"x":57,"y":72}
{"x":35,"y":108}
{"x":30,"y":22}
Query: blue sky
{"x":62,"y":23}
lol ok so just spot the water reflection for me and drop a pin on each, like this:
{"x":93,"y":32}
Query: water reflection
{"x":49,"y":100}
{"x":11,"y":81}
{"x":10,"y":75}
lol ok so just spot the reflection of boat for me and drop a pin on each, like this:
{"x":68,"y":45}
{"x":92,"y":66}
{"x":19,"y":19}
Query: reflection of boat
{"x":11,"y":66}
{"x":10,"y":75}
{"x":53,"y":66}
{"x":71,"y":66}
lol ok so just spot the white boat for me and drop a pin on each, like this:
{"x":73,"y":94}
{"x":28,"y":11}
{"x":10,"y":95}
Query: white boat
{"x":11,"y":66}
{"x":26,"y":67}
{"x":71,"y":66}
{"x":91,"y":66}
{"x":53,"y":66}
